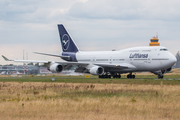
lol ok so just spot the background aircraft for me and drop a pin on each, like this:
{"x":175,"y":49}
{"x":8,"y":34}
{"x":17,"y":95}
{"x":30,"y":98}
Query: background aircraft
{"x":106,"y":64}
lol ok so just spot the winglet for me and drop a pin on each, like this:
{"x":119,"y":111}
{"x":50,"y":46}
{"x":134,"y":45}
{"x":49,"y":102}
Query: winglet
{"x":6,"y":59}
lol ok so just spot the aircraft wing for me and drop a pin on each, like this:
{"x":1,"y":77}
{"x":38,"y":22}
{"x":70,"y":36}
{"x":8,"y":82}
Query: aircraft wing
{"x":81,"y":65}
{"x":34,"y":61}
{"x":40,"y":61}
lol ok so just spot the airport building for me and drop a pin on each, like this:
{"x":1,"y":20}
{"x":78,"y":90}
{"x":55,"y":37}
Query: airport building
{"x":22,"y":69}
{"x":28,"y":69}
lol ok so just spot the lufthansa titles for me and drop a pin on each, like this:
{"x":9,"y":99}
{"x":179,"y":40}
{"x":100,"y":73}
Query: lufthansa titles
{"x":137,"y":55}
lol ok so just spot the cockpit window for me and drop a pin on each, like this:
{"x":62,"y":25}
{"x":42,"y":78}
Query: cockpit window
{"x":164,"y":49}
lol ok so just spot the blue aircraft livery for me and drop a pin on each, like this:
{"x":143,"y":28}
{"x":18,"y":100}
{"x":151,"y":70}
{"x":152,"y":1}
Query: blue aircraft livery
{"x":137,"y":55}
{"x":65,"y":41}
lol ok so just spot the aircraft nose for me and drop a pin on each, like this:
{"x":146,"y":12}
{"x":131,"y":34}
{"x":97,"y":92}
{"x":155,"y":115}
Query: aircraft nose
{"x":173,"y":59}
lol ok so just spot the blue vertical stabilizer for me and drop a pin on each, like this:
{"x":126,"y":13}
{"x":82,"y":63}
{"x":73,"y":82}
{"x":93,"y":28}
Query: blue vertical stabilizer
{"x":67,"y":43}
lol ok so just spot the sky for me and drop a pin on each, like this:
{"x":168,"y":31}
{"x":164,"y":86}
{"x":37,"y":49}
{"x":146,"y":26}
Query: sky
{"x":97,"y":25}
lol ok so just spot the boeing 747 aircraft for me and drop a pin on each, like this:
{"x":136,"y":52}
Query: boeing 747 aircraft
{"x":107,"y":64}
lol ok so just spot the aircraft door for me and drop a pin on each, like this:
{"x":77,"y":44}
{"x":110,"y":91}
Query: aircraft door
{"x":149,"y":59}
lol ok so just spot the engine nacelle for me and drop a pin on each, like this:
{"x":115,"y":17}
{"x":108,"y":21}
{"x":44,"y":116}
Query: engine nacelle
{"x":56,"y":68}
{"x":96,"y":70}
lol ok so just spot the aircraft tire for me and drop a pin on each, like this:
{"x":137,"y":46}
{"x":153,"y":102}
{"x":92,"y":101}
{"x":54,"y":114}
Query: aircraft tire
{"x":160,"y":76}
{"x":133,"y":76}
{"x":119,"y":76}
{"x":114,"y":76}
{"x":130,"y":76}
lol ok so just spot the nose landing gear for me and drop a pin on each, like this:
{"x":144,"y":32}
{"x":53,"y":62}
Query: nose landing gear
{"x":160,"y":76}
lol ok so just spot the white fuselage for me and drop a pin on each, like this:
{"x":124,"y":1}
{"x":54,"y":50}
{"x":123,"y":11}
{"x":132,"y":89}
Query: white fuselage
{"x":143,"y":58}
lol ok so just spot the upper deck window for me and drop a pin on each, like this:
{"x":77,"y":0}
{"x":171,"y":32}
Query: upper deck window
{"x":164,"y":49}
{"x":134,"y":51}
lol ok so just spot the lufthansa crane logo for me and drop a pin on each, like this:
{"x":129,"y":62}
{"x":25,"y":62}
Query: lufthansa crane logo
{"x":65,"y":42}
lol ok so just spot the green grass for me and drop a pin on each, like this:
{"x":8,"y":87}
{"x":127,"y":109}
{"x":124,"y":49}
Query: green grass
{"x":140,"y":79}
{"x":146,"y":96}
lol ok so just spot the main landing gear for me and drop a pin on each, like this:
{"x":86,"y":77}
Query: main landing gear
{"x":106,"y":75}
{"x":130,"y":76}
{"x":116,"y":75}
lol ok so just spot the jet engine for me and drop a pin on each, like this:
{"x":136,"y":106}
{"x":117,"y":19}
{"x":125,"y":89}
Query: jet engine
{"x":56,"y":68}
{"x":96,"y":70}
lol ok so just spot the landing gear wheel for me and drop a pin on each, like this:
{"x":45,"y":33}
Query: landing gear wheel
{"x":160,"y":76}
{"x":129,"y":76}
{"x":133,"y":76}
{"x":116,"y":76}
{"x":119,"y":76}
{"x":106,"y":75}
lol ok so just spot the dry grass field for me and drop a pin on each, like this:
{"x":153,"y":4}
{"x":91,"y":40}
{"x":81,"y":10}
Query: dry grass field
{"x":79,"y":101}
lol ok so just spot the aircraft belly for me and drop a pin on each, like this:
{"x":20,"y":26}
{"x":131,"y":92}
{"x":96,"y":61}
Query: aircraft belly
{"x":120,"y":70}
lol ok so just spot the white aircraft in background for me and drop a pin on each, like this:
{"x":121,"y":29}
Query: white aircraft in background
{"x":106,"y":64}
{"x":4,"y":73}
